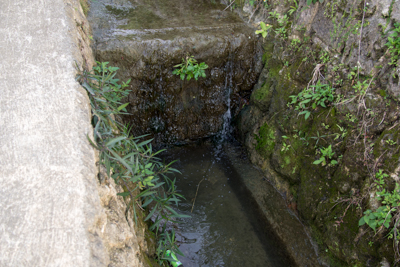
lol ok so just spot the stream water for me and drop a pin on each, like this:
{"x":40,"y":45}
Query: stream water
{"x":224,"y":228}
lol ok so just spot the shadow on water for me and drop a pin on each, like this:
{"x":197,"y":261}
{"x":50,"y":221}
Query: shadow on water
{"x":226,"y":228}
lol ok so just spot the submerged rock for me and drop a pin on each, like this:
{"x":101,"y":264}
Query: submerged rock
{"x":147,"y":38}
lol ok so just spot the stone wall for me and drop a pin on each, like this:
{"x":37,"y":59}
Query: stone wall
{"x":146,"y":39}
{"x":329,"y":198}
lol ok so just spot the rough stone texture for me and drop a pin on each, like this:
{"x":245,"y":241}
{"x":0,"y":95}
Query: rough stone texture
{"x":323,"y":194}
{"x":147,"y":38}
{"x":125,"y":241}
{"x":50,"y":210}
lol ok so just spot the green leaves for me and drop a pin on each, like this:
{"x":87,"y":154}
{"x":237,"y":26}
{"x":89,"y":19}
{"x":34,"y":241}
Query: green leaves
{"x":326,"y":153}
{"x":130,"y":161}
{"x":393,"y":44}
{"x":390,"y":202}
{"x":316,"y":95}
{"x":382,"y":216}
{"x":264,"y":29}
{"x":189,"y":68}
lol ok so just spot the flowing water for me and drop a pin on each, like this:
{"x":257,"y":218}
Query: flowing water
{"x":224,"y":228}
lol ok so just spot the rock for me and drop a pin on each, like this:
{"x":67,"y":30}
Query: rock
{"x":284,"y":145}
{"x":146,"y":39}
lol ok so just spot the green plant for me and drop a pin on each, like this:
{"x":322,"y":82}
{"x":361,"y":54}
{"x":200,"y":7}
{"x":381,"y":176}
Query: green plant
{"x":351,"y":117}
{"x":285,"y":147}
{"x":324,"y":57}
{"x":130,"y":161}
{"x":264,"y":29}
{"x":343,"y":132}
{"x":390,"y":200}
{"x":167,"y":241}
{"x":361,"y":87}
{"x":326,"y":126}
{"x":189,"y":68}
{"x":281,"y":32}
{"x":294,"y":44}
{"x":393,"y":44}
{"x":390,"y":142}
{"x":316,"y":95}
{"x":326,"y":153}
{"x":343,"y":26}
{"x":293,"y":8}
{"x":353,"y":72}
{"x":274,"y":14}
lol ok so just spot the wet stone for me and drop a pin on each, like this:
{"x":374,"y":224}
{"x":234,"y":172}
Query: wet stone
{"x":145,"y":39}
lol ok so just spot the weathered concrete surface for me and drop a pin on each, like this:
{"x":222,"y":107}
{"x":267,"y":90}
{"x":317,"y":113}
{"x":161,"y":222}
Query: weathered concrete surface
{"x":48,"y":198}
{"x":279,"y":213}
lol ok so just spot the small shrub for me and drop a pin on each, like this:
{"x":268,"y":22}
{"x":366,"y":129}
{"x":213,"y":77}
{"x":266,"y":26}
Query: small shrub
{"x":393,"y":44}
{"x":326,"y":154}
{"x":313,"y":96}
{"x":130,"y":161}
{"x":264,"y":29}
{"x":189,"y":68}
{"x":390,"y":200}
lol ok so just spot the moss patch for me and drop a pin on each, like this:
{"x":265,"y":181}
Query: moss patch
{"x":265,"y":140}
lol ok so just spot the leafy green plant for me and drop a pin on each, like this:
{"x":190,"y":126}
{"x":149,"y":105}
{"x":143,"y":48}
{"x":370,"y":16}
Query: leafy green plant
{"x":390,"y":142}
{"x":316,"y":95}
{"x":293,"y":8}
{"x":281,"y":32}
{"x":189,"y":68}
{"x":390,"y":200}
{"x":326,"y":154}
{"x":353,"y":72}
{"x":130,"y":161}
{"x":285,"y":147}
{"x":294,"y":44}
{"x":326,"y":126}
{"x":167,"y":241}
{"x":393,"y":44}
{"x":342,"y":134}
{"x":351,"y":117}
{"x":361,"y":87}
{"x":324,"y":57}
{"x":264,"y":29}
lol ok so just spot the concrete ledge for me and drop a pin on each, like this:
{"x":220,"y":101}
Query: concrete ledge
{"x":48,"y":196}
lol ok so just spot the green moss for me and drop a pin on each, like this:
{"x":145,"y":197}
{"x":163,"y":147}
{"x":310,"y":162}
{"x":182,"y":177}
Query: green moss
{"x":287,"y":160}
{"x":265,"y":140}
{"x":382,"y":93}
{"x":262,"y":92}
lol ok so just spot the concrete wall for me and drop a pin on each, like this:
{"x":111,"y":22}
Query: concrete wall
{"x":50,"y":210}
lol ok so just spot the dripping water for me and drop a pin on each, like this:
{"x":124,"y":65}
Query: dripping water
{"x":226,"y":130}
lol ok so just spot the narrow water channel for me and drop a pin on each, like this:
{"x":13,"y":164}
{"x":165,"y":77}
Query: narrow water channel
{"x":224,"y":228}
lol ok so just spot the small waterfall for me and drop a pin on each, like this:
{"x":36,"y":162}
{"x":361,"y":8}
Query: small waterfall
{"x":226,"y":131}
